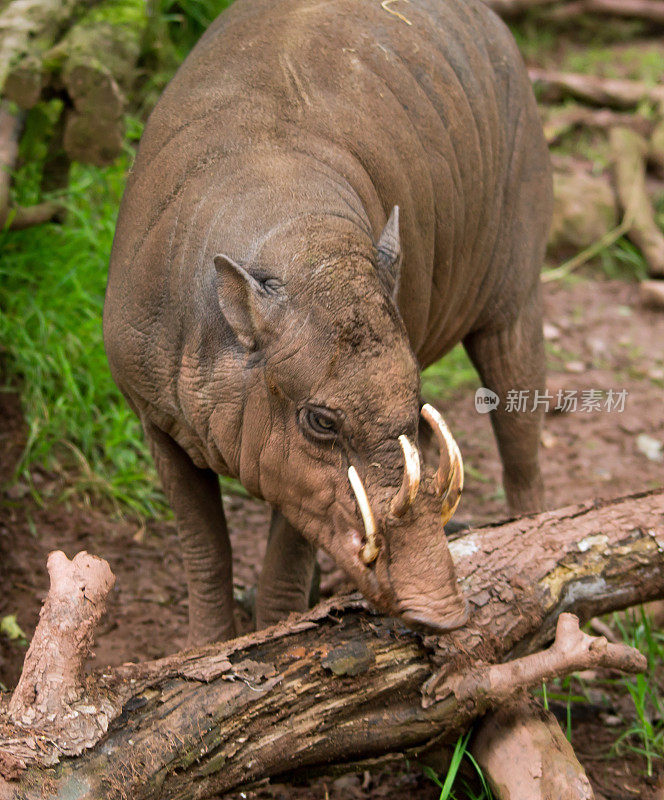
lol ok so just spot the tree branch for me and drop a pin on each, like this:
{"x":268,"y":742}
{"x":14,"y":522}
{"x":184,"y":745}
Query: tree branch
{"x":340,"y":684}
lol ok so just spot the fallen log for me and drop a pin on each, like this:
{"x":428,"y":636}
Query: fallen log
{"x":28,"y":27}
{"x":17,"y":217}
{"x":584,"y":209}
{"x":83,"y":52}
{"x":22,"y":217}
{"x":524,"y":754}
{"x":10,"y":130}
{"x":648,"y":10}
{"x":338,"y":685}
{"x":94,"y":63}
{"x":617,"y":93}
{"x":559,"y":122}
{"x":512,"y":8}
{"x":629,"y":153}
{"x":652,"y":294}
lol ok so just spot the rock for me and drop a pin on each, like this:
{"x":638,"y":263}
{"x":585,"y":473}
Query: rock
{"x":576,"y":367}
{"x":611,"y":720}
{"x":584,"y":209}
{"x":651,"y":294}
{"x":18,"y":491}
{"x":598,"y":348}
{"x":650,"y":447}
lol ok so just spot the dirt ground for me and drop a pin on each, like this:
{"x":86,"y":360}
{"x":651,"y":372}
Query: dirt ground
{"x":598,"y":337}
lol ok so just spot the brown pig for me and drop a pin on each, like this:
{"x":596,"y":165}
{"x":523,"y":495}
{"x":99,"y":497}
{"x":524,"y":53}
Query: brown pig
{"x":327,"y":198}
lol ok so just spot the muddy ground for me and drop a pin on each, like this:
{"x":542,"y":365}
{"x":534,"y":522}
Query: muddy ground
{"x":598,"y":337}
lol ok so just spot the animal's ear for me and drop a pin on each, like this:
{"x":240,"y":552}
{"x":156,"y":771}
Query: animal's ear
{"x":388,"y":252}
{"x":243,"y":300}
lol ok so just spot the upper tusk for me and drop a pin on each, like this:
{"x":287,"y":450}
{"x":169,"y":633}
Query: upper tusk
{"x":370,"y":550}
{"x":450,"y":474}
{"x":411,"y":479}
{"x":453,"y":493}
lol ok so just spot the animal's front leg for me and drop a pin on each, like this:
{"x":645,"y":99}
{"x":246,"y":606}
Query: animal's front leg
{"x":511,"y":363}
{"x":195,"y":498}
{"x":285,"y":582}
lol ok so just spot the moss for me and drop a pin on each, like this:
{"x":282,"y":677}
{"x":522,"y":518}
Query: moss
{"x":642,"y":61}
{"x":109,"y":36}
{"x":118,"y":12}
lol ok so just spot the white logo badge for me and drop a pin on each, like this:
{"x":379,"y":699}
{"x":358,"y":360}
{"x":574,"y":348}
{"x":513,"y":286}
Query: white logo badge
{"x":485,"y":400}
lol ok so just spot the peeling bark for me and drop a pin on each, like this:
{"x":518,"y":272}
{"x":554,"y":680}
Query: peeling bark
{"x":339,"y":685}
{"x":50,"y":688}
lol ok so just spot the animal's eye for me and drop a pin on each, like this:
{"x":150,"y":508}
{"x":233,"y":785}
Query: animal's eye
{"x":271,"y":285}
{"x":322,"y":423}
{"x":268,"y":283}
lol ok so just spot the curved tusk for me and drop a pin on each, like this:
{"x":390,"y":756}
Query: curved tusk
{"x":411,"y":479}
{"x":450,"y":475}
{"x":453,"y":493}
{"x":370,"y":550}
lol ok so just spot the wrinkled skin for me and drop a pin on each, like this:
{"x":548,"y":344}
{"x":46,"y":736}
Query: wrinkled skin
{"x":256,"y":284}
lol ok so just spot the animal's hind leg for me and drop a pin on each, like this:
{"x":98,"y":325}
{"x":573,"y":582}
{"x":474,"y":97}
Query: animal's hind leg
{"x":195,"y":498}
{"x":285,"y":582}
{"x":512,"y":360}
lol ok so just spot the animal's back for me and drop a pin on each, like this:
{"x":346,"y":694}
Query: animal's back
{"x":423,"y":104}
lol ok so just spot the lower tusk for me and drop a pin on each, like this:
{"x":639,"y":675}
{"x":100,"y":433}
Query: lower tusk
{"x":369,"y":551}
{"x":411,"y":479}
{"x":450,"y":474}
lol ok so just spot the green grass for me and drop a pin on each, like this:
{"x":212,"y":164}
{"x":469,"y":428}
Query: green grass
{"x":52,"y":282}
{"x":187,"y":20}
{"x":620,"y":260}
{"x":646,"y":734}
{"x":584,"y":143}
{"x":451,"y":373}
{"x":623,"y":261}
{"x":571,"y":45}
{"x":641,"y":63}
{"x":448,"y":784}
{"x":643,"y":732}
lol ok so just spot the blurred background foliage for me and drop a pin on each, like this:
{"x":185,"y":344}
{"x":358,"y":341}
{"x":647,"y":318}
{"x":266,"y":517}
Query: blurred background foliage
{"x":52,"y":283}
{"x":53,"y":275}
